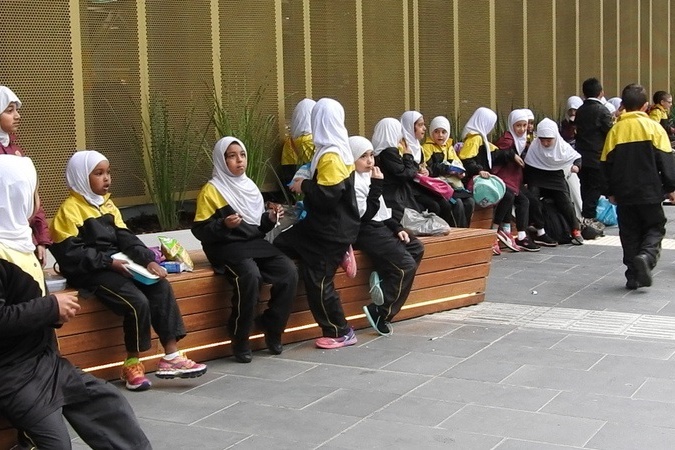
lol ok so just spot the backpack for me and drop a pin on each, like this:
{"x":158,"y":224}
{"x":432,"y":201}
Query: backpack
{"x":555,"y":224}
{"x":488,"y":191}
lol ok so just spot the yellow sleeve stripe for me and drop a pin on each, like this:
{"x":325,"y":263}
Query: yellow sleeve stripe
{"x":74,"y":211}
{"x":331,"y":170}
{"x":209,"y":201}
{"x":636,"y":128}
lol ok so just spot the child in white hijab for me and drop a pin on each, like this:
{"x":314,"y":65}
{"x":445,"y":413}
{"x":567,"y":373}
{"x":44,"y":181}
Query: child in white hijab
{"x":567,"y":126}
{"x":299,"y":147}
{"x":38,"y":387}
{"x":88,"y":230}
{"x":323,"y":237}
{"x":413,"y":132}
{"x":231,"y":222}
{"x":395,"y":254}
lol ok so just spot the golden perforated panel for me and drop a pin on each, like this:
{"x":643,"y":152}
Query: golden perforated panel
{"x":334,"y":74}
{"x":509,"y":48}
{"x":248,"y":52}
{"x":112,"y":97}
{"x":566,"y":52}
{"x":589,"y":39}
{"x":294,"y":54}
{"x":609,"y":53}
{"x":660,"y":45}
{"x":474,"y":56}
{"x":629,"y":51}
{"x":383,"y":61}
{"x":540,"y":58}
{"x":645,"y":51}
{"x":37,"y":66}
{"x":437,"y":54}
{"x":180,"y":66}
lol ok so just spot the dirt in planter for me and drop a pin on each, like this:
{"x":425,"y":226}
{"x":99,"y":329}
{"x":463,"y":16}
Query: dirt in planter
{"x":148,"y":223}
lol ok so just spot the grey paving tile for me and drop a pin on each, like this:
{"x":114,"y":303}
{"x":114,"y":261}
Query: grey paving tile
{"x":281,"y":423}
{"x":256,"y":442}
{"x":667,"y":310}
{"x":517,"y":444}
{"x":366,"y":355}
{"x":575,"y":380}
{"x":614,"y":436}
{"x":423,"y":363}
{"x":487,"y":333}
{"x":479,"y":368}
{"x":634,"y":366}
{"x":334,"y":377}
{"x":168,"y":407}
{"x":657,"y":389}
{"x":485,"y":393}
{"x":417,"y":411}
{"x":290,"y":394}
{"x":613,"y":409}
{"x":618,"y":299}
{"x":167,"y":435}
{"x":353,"y":402}
{"x":540,"y":356}
{"x":525,"y":425}
{"x":423,"y":326}
{"x":175,"y":386}
{"x":268,"y":368}
{"x":443,"y":345}
{"x":376,"y":434}
{"x":533,"y":337}
{"x":617,"y":346}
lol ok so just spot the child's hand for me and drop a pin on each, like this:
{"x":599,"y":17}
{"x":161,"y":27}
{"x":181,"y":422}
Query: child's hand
{"x":519,"y":161}
{"x":156,"y":269}
{"x":423,"y":171}
{"x":403,"y":236}
{"x":68,"y":306}
{"x":120,"y":267}
{"x":275,"y":211}
{"x":232,"y":221}
{"x":296,"y":186}
{"x":612,"y":200}
{"x":376,"y":173}
{"x":484,"y":174}
{"x":574,"y":169}
{"x":671,"y":197}
{"x":41,"y":253}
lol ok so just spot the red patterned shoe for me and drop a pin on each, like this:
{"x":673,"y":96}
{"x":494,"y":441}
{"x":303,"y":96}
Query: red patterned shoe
{"x":495,"y":248}
{"x":134,"y":377}
{"x":181,"y":367}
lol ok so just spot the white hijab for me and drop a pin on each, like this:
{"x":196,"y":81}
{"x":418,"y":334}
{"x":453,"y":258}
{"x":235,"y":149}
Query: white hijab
{"x":18,"y":181}
{"x":574,"y":102}
{"x":408,"y":120}
{"x":329,"y":132}
{"x":387,"y":134}
{"x":7,"y":97}
{"x":80,"y":165}
{"x":240,"y":192}
{"x":301,"y":118}
{"x":481,"y":122}
{"x":616,"y":102}
{"x":518,"y":115}
{"x":359,"y":146}
{"x":440,"y":122}
{"x":559,"y":156}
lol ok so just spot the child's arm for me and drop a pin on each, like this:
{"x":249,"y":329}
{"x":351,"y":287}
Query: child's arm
{"x":325,"y":191}
{"x":469,"y":157}
{"x":397,"y":166}
{"x":506,"y":150}
{"x":373,"y":200}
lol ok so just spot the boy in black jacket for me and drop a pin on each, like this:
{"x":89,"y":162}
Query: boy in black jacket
{"x":638,"y":163}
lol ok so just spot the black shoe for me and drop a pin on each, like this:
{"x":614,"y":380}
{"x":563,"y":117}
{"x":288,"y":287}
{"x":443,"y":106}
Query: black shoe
{"x":632,"y":285}
{"x":241,"y":351}
{"x":545,"y":240}
{"x":643,"y":273}
{"x":527,"y":245}
{"x":272,"y":339}
{"x":376,"y":321}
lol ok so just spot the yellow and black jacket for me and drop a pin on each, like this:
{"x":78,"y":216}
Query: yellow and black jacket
{"x":474,"y":156}
{"x":295,"y":153}
{"x":659,"y":114}
{"x":85,"y":237}
{"x":637,"y":160}
{"x":223,"y":245}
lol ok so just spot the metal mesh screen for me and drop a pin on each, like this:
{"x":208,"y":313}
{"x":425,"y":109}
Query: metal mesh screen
{"x":474,"y":56}
{"x":37,"y":66}
{"x":660,"y":46}
{"x":294,"y":54}
{"x":437,"y":54}
{"x":334,"y":74}
{"x":645,"y":52}
{"x":629,"y":51}
{"x":509,"y":49}
{"x":565,"y":52}
{"x":540,"y":58}
{"x":609,"y":53}
{"x":589,"y":39}
{"x":383,"y":61}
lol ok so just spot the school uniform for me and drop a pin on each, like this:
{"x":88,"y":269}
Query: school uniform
{"x":321,"y":239}
{"x":87,"y":230}
{"x":659,"y":114}
{"x":638,"y":162}
{"x":38,"y":387}
{"x":298,"y":148}
{"x":242,"y":254}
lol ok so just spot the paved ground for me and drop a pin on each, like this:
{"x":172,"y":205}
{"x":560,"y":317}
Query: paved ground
{"x":559,"y":356}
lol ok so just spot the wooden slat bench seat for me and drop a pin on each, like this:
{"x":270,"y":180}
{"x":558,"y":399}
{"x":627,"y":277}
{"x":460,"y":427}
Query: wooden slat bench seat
{"x":452,"y":274}
{"x":482,"y":217}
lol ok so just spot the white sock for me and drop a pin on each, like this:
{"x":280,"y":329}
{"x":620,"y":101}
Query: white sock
{"x":541,"y":232}
{"x":170,"y":356}
{"x":521,"y":235}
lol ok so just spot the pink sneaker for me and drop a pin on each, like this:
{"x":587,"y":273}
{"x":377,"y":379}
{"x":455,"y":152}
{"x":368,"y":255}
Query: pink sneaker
{"x":134,"y":377}
{"x":507,"y":240}
{"x":342,"y":341}
{"x":349,"y":263}
{"x":180,"y":367}
{"x":495,"y":248}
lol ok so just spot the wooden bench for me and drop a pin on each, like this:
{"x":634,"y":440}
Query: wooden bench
{"x":452,"y":274}
{"x":482,"y":217}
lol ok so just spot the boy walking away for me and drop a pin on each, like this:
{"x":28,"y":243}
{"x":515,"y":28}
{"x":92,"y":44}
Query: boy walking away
{"x":638,"y":163}
{"x":593,"y":122}
{"x":660,"y":112}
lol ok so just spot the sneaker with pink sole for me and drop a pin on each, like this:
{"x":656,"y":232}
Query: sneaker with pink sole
{"x":179,"y":367}
{"x":134,"y":377}
{"x":339,"y":342}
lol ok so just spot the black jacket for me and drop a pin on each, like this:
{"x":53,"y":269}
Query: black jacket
{"x":593,"y":121}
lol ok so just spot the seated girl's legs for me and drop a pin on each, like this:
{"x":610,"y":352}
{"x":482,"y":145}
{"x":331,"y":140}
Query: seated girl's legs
{"x":469,"y":205}
{"x":438,"y":206}
{"x":535,"y":208}
{"x":121,"y":295}
{"x":564,"y":204}
{"x":522,"y":206}
{"x":458,"y":213}
{"x":503,"y":209}
{"x":105,"y":419}
{"x":165,"y":316}
{"x":282,"y":274}
{"x":246,"y":279}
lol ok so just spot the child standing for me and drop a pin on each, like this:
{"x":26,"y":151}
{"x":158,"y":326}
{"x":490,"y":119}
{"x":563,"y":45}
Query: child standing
{"x":567,"y":127}
{"x":321,"y":239}
{"x":477,"y":154}
{"x":395,"y":255}
{"x":9,"y":123}
{"x":88,"y":229}
{"x":231,"y":221}
{"x":443,"y":162}
{"x":38,"y":387}
{"x":660,"y":112}
{"x":638,"y":148}
{"x":298,"y":147}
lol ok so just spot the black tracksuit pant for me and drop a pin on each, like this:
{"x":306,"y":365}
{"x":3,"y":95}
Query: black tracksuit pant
{"x":395,"y":261}
{"x":562,"y":201}
{"x":592,"y":186}
{"x":641,"y":230}
{"x":141,"y":306}
{"x":246,"y":278}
